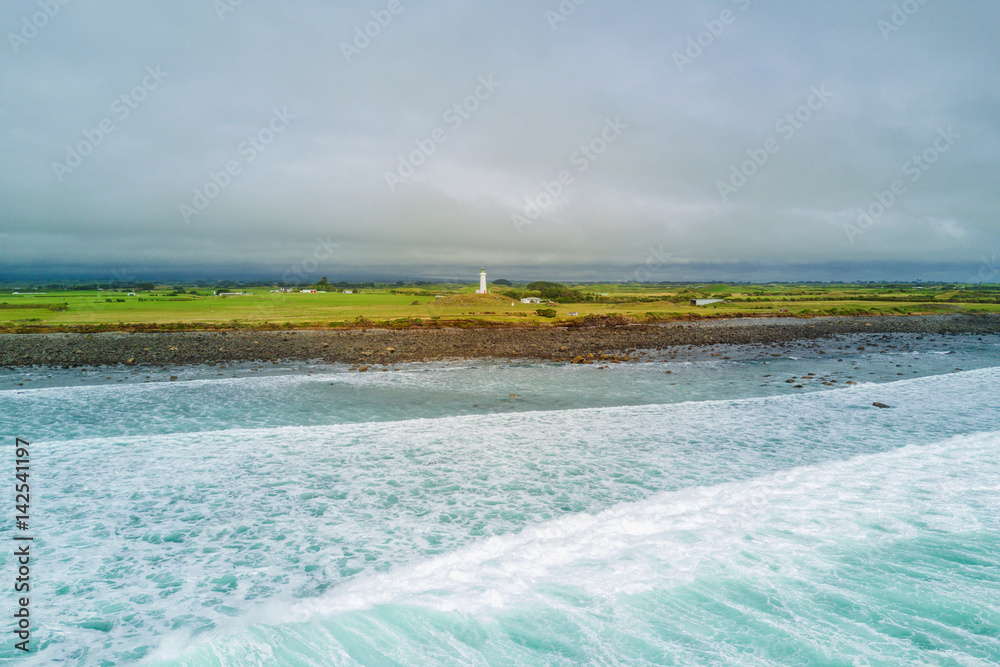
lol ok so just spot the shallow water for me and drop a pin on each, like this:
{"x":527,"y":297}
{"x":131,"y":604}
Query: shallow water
{"x":303,"y":514}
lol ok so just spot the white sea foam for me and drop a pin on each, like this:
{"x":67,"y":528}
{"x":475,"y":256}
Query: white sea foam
{"x":755,"y":557}
{"x":165,"y":536}
{"x":791,"y":519}
{"x":927,"y":399}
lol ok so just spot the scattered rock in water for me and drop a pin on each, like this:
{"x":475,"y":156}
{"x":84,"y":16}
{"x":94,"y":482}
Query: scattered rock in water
{"x":879,"y":405}
{"x":173,"y":377}
{"x":578,"y":359}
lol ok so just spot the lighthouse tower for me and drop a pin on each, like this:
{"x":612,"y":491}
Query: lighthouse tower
{"x":482,"y":281}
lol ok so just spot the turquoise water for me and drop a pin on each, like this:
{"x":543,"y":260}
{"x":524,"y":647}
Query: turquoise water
{"x":302,"y":514}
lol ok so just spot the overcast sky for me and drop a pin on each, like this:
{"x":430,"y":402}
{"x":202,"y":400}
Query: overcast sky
{"x":731,"y":139}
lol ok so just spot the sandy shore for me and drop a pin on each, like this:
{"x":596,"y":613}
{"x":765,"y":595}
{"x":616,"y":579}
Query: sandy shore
{"x":382,"y":346}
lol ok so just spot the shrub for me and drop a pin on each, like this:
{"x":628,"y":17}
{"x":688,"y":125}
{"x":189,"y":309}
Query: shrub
{"x":546,"y":312}
{"x":556,"y":292}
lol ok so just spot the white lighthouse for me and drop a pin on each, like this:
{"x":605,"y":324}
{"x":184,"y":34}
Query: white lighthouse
{"x":482,"y":281}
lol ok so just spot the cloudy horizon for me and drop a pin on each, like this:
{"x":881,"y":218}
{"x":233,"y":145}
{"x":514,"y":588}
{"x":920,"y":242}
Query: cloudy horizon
{"x":573,"y":139}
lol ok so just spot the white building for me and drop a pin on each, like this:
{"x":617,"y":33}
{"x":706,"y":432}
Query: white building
{"x":704,"y":302}
{"x":482,"y":281}
{"x":531,"y":299}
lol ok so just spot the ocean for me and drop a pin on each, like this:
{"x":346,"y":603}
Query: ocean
{"x":687,"y":509}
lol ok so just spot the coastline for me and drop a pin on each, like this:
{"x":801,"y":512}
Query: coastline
{"x":385,"y":346}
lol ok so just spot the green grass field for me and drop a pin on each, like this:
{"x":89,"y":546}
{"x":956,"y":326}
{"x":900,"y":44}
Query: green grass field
{"x":393,"y":306}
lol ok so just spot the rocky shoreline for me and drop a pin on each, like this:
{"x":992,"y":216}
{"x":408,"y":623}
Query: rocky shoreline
{"x":383,"y":346}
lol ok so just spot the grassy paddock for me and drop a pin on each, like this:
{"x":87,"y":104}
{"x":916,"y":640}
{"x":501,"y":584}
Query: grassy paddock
{"x":403,"y":307}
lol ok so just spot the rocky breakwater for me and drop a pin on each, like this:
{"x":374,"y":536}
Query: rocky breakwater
{"x":601,"y":340}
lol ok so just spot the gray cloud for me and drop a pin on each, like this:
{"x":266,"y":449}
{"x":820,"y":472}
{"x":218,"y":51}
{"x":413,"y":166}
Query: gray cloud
{"x":324,"y":174}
